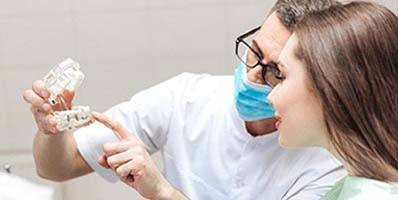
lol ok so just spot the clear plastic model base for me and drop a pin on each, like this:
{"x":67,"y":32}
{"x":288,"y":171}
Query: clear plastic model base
{"x":67,"y":76}
{"x":70,"y":120}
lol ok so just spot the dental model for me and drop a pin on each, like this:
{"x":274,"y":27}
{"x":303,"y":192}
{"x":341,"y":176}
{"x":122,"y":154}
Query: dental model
{"x":64,"y":76}
{"x":70,"y":120}
{"x":67,"y":76}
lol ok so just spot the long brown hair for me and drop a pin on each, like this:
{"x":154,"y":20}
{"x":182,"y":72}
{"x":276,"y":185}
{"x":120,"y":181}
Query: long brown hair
{"x":351,"y":55}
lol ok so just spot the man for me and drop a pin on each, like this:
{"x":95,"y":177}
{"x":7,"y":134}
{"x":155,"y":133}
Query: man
{"x":216,"y":134}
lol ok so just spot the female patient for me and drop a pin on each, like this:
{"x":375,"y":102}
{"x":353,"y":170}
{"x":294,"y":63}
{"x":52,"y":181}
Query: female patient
{"x":339,"y":90}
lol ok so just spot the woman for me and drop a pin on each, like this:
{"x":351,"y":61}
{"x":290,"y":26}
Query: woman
{"x":339,"y":72}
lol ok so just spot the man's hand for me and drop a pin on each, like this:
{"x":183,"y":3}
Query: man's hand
{"x":56,"y":158}
{"x":42,"y":110}
{"x":133,"y":164}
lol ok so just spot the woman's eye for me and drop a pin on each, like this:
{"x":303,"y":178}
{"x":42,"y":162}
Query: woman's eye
{"x":279,"y":75}
{"x":277,"y":72}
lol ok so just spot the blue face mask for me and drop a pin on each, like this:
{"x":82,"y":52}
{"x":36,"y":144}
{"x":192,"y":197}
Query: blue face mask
{"x":251,"y":98}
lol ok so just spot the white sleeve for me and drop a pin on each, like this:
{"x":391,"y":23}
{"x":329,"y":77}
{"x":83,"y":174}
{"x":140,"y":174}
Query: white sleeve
{"x":147,"y":115}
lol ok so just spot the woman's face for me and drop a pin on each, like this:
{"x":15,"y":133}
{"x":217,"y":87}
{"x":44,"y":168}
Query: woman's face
{"x":299,"y":112}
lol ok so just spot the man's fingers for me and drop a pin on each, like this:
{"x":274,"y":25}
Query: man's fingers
{"x":102,"y":160}
{"x":130,"y":181}
{"x":124,"y":170}
{"x":46,"y":107}
{"x":31,"y":97}
{"x":118,"y":159}
{"x":50,"y":125}
{"x":117,"y":128}
{"x":39,"y":88}
{"x":45,"y":122}
{"x":112,"y":148}
{"x":132,"y":167}
{"x":51,"y":120}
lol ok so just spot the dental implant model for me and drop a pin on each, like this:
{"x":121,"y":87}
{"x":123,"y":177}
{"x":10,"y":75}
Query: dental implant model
{"x":67,"y":76}
{"x":70,"y":120}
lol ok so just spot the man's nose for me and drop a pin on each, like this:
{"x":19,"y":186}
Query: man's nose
{"x":255,"y":75}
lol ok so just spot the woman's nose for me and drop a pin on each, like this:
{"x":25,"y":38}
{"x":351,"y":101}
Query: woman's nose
{"x":271,"y":96}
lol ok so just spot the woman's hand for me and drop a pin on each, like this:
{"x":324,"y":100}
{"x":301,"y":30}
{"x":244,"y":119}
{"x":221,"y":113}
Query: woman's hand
{"x":132,"y":163}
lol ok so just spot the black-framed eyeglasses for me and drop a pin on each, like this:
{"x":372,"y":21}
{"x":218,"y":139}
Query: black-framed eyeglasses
{"x":251,"y":56}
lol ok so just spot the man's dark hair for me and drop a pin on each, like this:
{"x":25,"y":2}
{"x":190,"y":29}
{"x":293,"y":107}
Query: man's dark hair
{"x":290,"y":12}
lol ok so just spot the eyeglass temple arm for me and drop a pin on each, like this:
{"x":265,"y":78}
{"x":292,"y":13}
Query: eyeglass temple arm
{"x":249,"y":33}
